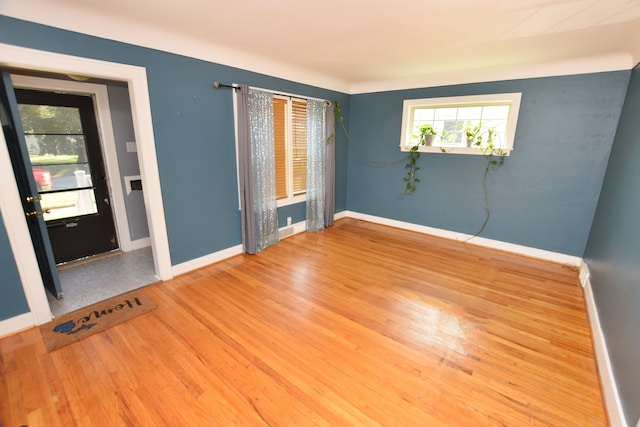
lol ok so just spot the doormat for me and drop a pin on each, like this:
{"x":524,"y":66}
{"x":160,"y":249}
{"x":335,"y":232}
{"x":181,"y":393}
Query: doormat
{"x":79,"y":324}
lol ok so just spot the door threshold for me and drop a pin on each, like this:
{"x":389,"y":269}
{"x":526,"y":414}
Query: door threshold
{"x":81,"y":261}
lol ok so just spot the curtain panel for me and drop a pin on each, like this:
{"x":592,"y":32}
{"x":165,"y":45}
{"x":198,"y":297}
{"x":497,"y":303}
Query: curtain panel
{"x":256,"y":167}
{"x":256,"y":164}
{"x":316,"y":164}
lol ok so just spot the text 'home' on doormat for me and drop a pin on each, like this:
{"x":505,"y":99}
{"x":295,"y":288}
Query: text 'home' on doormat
{"x":87,"y":321}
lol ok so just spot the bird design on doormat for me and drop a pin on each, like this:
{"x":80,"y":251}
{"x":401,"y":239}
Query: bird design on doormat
{"x":69,"y":327}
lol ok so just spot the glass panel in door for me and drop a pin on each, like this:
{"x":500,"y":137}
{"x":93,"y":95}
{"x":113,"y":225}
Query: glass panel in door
{"x":59,"y":161}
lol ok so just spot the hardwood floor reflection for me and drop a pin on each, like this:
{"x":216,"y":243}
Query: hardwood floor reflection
{"x":358,"y":324}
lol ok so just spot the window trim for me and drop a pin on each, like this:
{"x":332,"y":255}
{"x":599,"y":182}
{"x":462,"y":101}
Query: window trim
{"x":410,"y":105}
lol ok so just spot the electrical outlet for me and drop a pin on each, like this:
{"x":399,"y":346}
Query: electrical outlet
{"x":288,"y":220}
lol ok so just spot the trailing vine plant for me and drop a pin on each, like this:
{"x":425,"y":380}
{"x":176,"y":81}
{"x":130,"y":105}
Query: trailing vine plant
{"x":339,"y":120}
{"x":412,"y":167}
{"x":495,"y":159}
{"x":426,"y":135}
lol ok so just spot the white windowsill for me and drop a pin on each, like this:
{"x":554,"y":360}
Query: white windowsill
{"x":454,"y":150}
{"x":291,"y":200}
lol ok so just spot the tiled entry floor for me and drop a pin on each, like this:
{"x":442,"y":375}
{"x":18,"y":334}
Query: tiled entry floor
{"x":88,"y":282}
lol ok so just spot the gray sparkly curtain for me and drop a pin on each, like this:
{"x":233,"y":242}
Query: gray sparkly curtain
{"x":256,"y":159}
{"x":316,"y":163}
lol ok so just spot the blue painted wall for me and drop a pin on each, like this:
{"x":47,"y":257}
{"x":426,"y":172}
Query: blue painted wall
{"x":613,"y":252}
{"x":194,"y":134}
{"x":545,"y":194}
{"x":13,"y":301}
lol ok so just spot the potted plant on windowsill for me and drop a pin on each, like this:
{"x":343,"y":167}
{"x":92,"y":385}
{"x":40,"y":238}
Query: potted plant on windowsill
{"x":472,"y":133}
{"x":426,"y":133}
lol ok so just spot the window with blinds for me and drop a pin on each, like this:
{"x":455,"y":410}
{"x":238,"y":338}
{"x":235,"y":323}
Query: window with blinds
{"x":290,"y":139}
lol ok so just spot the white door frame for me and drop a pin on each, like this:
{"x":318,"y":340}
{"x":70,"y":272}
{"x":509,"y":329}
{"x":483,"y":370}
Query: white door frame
{"x":10,"y":205}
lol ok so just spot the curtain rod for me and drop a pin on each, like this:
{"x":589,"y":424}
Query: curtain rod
{"x":218,"y":85}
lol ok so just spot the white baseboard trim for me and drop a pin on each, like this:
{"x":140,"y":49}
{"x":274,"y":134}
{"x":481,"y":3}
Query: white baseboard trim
{"x":140,"y":243}
{"x":206,"y":260}
{"x":16,"y":324}
{"x":340,"y":215}
{"x":194,"y":264}
{"x":481,"y":241}
{"x":609,"y":389}
{"x":584,"y":274}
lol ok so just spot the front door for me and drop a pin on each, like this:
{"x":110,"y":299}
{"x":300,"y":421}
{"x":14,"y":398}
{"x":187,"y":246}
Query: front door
{"x":66,"y":162}
{"x":14,"y":136}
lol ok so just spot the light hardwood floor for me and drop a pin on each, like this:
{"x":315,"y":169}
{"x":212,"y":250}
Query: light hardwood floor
{"x":358,"y":324}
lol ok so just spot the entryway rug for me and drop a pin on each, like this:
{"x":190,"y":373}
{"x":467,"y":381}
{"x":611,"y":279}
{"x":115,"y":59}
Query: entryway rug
{"x":87,"y":321}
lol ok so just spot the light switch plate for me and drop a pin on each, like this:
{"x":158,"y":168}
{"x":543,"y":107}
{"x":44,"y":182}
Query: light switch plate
{"x":131,"y":147}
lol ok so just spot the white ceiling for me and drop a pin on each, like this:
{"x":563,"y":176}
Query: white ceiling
{"x":357,"y":45}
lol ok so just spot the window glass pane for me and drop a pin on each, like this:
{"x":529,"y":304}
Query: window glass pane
{"x":65,"y":166}
{"x":495,"y":112}
{"x":423,"y":115}
{"x":59,"y":161}
{"x":47,"y":119}
{"x":56,"y":147}
{"x":467,"y":113}
{"x":452,"y":133}
{"x":42,"y":144}
{"x":446,"y":114}
{"x":499,"y":126}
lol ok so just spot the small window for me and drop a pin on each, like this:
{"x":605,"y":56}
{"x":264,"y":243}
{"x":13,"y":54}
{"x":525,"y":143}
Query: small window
{"x":461,"y":125}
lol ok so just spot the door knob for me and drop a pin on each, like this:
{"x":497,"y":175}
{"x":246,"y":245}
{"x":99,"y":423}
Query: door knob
{"x":35,"y":213}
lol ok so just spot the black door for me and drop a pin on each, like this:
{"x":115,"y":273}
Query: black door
{"x":65,"y":155}
{"x":27,"y":188}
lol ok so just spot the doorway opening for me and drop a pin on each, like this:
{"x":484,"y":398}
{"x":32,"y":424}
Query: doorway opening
{"x":98,"y":253}
{"x":135,"y":79}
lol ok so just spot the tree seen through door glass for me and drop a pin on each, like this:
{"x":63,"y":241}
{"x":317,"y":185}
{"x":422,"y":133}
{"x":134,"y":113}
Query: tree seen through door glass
{"x":56,"y":144}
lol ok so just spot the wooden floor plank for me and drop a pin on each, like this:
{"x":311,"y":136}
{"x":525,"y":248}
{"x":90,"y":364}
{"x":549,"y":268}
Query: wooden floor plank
{"x":358,"y":324}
